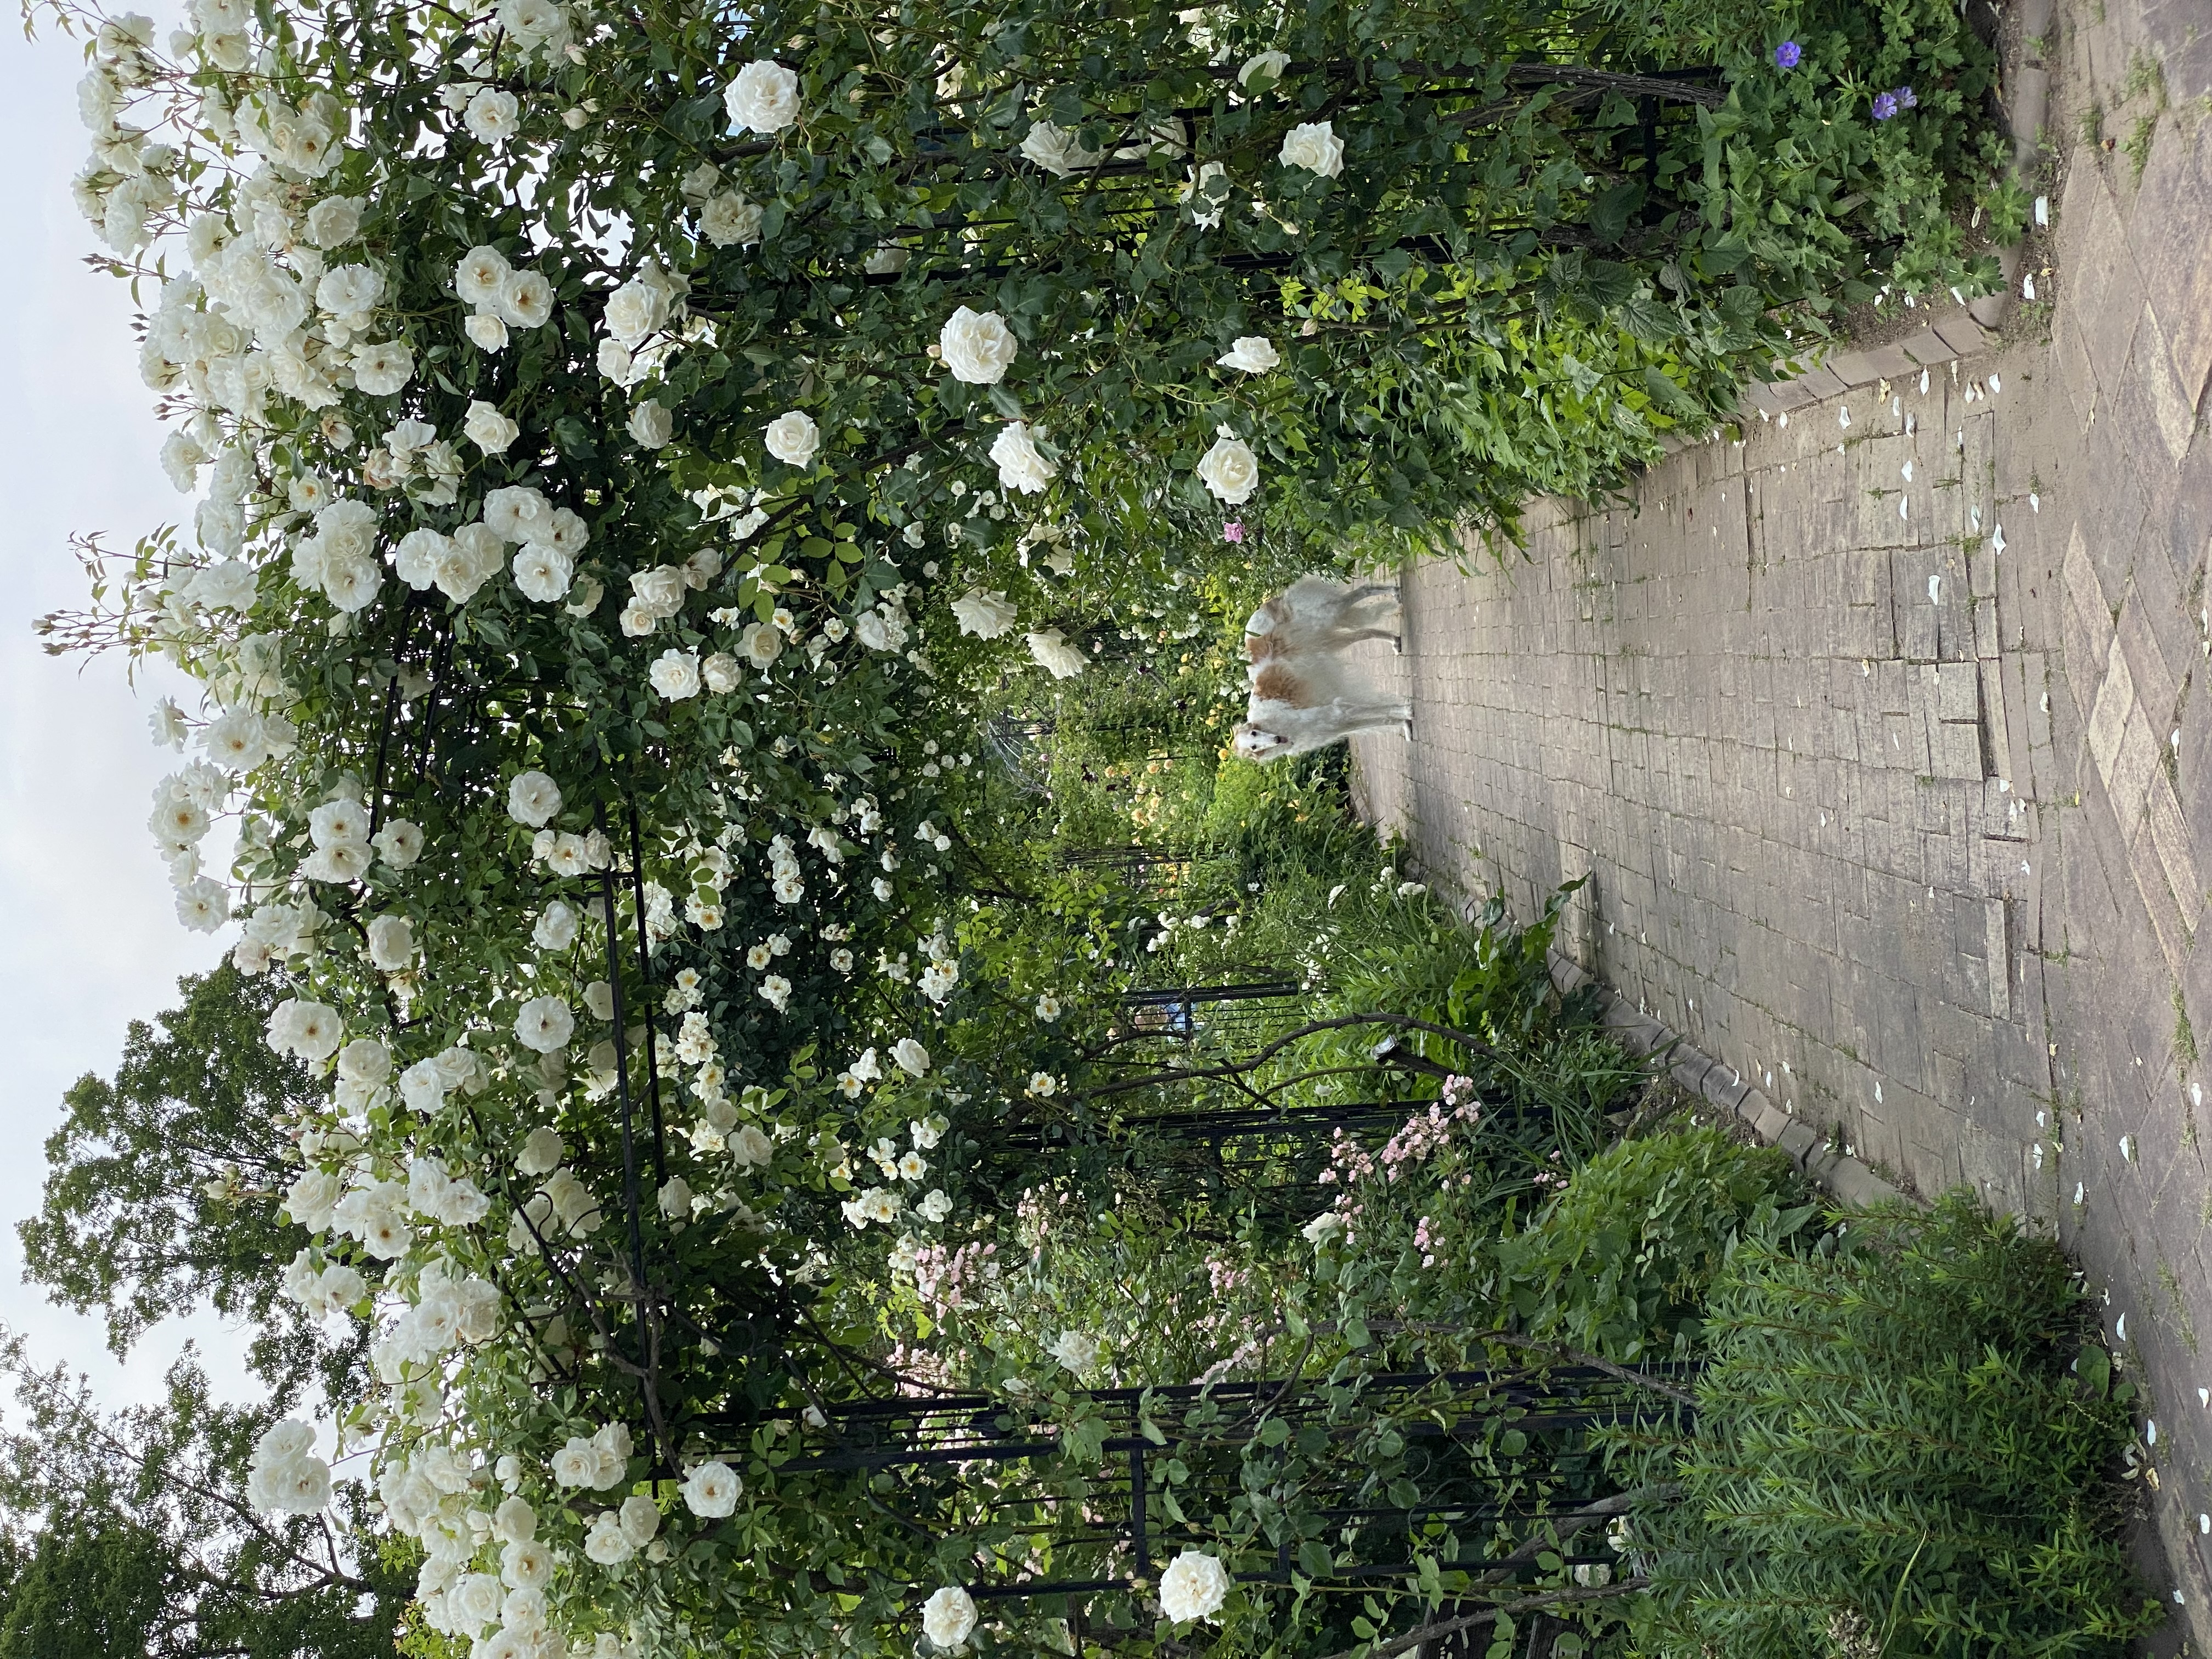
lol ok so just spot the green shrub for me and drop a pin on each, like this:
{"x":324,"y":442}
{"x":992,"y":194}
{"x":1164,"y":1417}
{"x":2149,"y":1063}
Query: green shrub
{"x":1621,"y":1264}
{"x":1903,"y":1448}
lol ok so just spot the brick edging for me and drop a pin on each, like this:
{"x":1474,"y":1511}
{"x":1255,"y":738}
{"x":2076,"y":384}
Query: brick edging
{"x":1723,"y":1086}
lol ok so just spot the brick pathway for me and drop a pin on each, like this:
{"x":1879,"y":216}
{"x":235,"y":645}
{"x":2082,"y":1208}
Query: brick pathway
{"x":1884,"y":738}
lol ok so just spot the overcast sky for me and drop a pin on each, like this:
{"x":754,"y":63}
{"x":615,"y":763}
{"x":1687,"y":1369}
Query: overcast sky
{"x":92,"y":938}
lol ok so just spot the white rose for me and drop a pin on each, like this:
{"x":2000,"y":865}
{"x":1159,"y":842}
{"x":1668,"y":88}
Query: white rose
{"x":1020,"y":466}
{"x":1255,"y":353}
{"x":1076,"y":1350}
{"x":1058,"y":150}
{"x":1053,"y":653}
{"x":391,"y":943}
{"x":760,"y":644}
{"x":652,"y":425}
{"x":556,"y":929}
{"x":532,"y":798}
{"x":793,"y":438}
{"x":490,"y":431}
{"x":711,"y":1491}
{"x":977,"y":346}
{"x":487,"y":330}
{"x":604,"y":1542}
{"x":1230,"y":469}
{"x":334,"y":221}
{"x":948,"y":1616}
{"x":986,"y":615}
{"x":912,"y":1058}
{"x":544,"y":573}
{"x":1265,"y":67}
{"x":542,"y":1151}
{"x":633,"y":311}
{"x":675,"y":674}
{"x":729,"y":220}
{"x":544,"y":1023}
{"x":763,"y":99}
{"x":400,"y":843}
{"x":382,"y":370}
{"x":480,"y":274}
{"x":525,"y":298}
{"x":1316,"y":147}
{"x":493,"y":116}
{"x":1195,"y":1586}
{"x":722,"y":672}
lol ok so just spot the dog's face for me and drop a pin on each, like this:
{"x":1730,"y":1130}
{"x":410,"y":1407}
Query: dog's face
{"x":1257,"y":742}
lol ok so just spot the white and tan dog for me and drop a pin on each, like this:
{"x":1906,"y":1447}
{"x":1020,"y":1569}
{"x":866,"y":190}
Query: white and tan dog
{"x":1303,"y":696}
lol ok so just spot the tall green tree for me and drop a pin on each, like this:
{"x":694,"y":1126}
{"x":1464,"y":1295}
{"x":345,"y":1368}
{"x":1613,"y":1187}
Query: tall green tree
{"x":157,"y":1198}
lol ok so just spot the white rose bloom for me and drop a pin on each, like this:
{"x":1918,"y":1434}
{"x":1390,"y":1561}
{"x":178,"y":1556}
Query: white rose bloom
{"x":382,"y":370}
{"x":977,"y":346}
{"x":1195,"y":1586}
{"x":350,"y":292}
{"x":311,"y":1031}
{"x":633,"y":311}
{"x":542,"y":1152}
{"x":544,"y":573}
{"x":1209,"y":201}
{"x":334,"y":221}
{"x":675,"y":674}
{"x":366,"y":1062}
{"x":487,"y":330}
{"x":729,"y":220}
{"x":479,"y":276}
{"x":577,"y":1462}
{"x":490,"y":431}
{"x":1255,"y":353}
{"x":1058,"y":150}
{"x":793,"y":438}
{"x":310,"y":1198}
{"x":203,"y":904}
{"x":948,"y":1617}
{"x":722,"y":672}
{"x":760,"y":644}
{"x":1230,"y":469}
{"x":652,"y":425}
{"x":1323,"y":1228}
{"x":763,"y":99}
{"x":391,"y":943}
{"x":1020,"y":465}
{"x":532,"y":799}
{"x":1076,"y":1350}
{"x":556,"y":929}
{"x":472,"y":1603}
{"x":886,"y":261}
{"x":544,"y":1023}
{"x":911,"y":1057}
{"x":1265,"y":67}
{"x":525,"y":1563}
{"x":1053,"y":653}
{"x":400,"y":843}
{"x":416,"y":560}
{"x":604,"y":1543}
{"x":712,"y":1490}
{"x":515,"y":1521}
{"x":285,"y":1476}
{"x":493,"y":116}
{"x":986,"y":615}
{"x":524,"y":300}
{"x":1314,"y":147}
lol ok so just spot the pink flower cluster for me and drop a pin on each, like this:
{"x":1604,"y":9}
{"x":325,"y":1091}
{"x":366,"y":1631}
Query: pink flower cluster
{"x":1418,"y":1139}
{"x":940,"y":1275}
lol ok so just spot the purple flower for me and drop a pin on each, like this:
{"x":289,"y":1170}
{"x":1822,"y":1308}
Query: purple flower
{"x":1885,"y":105}
{"x":1905,"y":99}
{"x":1233,"y":531}
{"x":1788,"y":55}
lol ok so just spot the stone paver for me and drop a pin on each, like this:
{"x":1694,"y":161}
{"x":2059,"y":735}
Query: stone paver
{"x":1886,"y":746}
